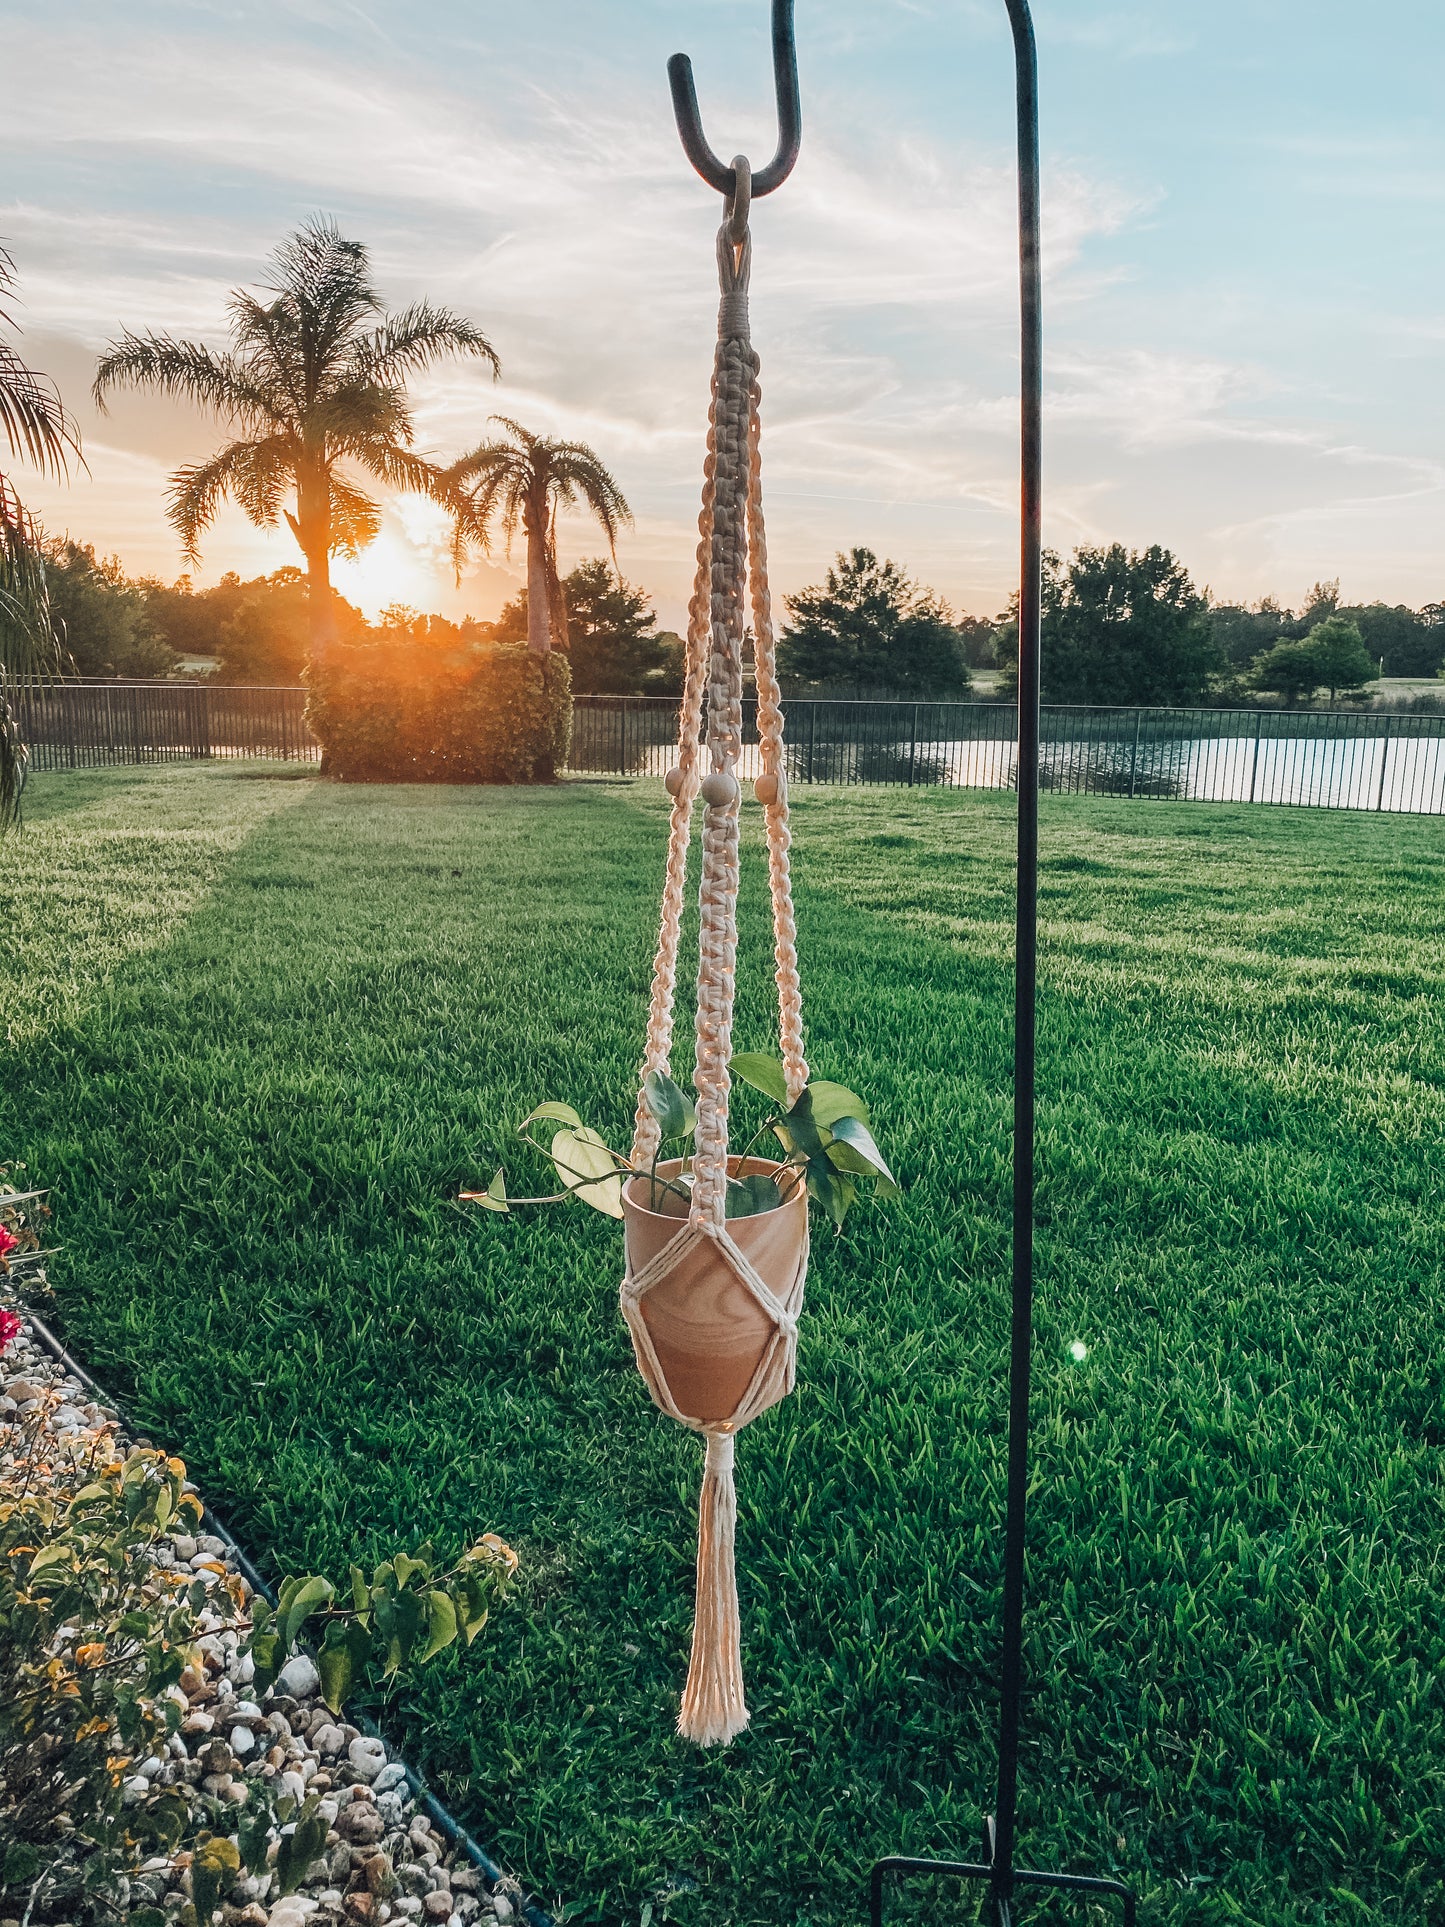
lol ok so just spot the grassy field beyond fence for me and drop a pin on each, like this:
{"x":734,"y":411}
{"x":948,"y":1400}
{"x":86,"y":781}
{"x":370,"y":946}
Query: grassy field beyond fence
{"x":259,"y":1030}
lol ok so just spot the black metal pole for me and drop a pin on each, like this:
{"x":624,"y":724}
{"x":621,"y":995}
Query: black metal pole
{"x":1026,"y":948}
{"x":999,"y":1868}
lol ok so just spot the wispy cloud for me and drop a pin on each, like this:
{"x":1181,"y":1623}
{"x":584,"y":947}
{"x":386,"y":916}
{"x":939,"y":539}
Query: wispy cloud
{"x":513,"y":163}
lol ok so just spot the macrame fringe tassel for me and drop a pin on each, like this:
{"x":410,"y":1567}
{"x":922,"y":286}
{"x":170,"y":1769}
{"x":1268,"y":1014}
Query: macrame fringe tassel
{"x":714,"y":1709}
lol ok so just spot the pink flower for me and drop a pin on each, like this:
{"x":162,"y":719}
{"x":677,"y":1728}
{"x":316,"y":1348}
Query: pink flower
{"x":9,"y":1328}
{"x":8,"y":1242}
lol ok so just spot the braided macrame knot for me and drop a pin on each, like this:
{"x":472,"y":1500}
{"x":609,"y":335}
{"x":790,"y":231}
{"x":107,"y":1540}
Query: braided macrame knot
{"x":712,"y":1303}
{"x":732,"y":316}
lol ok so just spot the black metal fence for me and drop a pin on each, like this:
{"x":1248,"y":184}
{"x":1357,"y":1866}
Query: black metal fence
{"x":81,"y":725}
{"x":1334,"y":760}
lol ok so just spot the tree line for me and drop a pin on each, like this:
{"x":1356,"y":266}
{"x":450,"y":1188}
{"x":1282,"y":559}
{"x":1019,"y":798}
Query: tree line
{"x":109,"y":624}
{"x":1118,"y":628}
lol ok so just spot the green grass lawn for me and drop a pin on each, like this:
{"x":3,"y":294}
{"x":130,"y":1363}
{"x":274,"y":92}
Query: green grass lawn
{"x":259,"y":1033}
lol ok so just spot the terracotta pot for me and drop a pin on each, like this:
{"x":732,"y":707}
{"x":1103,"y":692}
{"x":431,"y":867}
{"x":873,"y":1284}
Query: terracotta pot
{"x":709,"y":1332}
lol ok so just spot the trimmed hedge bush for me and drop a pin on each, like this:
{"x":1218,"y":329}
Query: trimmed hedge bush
{"x":406,"y":713}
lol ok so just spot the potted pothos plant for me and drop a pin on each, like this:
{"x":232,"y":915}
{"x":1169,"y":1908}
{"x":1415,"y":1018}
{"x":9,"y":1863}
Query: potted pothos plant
{"x":827,"y":1144}
{"x":709,"y":1334}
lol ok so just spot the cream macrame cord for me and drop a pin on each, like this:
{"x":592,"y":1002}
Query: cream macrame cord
{"x":731,"y":559}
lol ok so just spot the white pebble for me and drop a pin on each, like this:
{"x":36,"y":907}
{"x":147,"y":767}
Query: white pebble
{"x":293,"y":1911}
{"x":243,"y":1741}
{"x":367,"y":1757}
{"x":298,"y":1677}
{"x":389,"y":1777}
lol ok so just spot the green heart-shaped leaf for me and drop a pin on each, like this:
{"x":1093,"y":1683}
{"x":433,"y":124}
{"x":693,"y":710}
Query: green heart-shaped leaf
{"x":588,"y":1170}
{"x":672,"y":1108}
{"x":853,"y":1132}
{"x":832,"y":1101}
{"x":554,"y":1112}
{"x":747,"y":1197}
{"x":764,"y":1073}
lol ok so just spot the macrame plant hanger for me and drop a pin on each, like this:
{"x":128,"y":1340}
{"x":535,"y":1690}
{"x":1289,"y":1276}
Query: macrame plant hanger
{"x":731,"y":521}
{"x":712,"y":1303}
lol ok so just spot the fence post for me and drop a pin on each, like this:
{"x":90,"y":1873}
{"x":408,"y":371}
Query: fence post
{"x":913,"y":746}
{"x":1134,"y":755}
{"x":1384,"y":759}
{"x":1254,"y":767}
{"x":812,"y":734}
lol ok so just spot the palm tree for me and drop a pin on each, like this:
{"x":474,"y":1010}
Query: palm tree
{"x":314,"y":384}
{"x":37,"y":430}
{"x":528,"y":479}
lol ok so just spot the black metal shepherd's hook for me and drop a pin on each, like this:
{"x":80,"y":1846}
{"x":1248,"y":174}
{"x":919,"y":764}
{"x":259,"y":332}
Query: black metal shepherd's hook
{"x":998,"y":1867}
{"x":790,"y":113}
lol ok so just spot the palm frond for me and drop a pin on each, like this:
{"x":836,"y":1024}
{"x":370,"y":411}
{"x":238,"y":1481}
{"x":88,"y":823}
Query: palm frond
{"x":32,"y":415}
{"x":355,"y":517}
{"x":27,"y":646}
{"x":27,"y":642}
{"x":523,"y":437}
{"x":324,"y":282}
{"x":489,"y":459}
{"x":500,"y":476}
{"x":264,"y":472}
{"x":491,"y":481}
{"x":403,"y":469}
{"x":361,"y":411}
{"x":418,"y":338}
{"x":185,"y":371}
{"x":577,"y":470}
{"x":268,"y":348}
{"x":248,"y":471}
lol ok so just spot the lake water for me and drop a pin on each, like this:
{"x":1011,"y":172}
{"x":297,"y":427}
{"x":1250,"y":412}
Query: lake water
{"x":1402,"y":773}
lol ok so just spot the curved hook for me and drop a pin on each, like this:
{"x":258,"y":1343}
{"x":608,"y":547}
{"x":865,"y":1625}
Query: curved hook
{"x":790,"y":113}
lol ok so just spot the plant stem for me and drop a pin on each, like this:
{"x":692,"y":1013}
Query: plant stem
{"x":761,"y":1132}
{"x":800,"y":1173}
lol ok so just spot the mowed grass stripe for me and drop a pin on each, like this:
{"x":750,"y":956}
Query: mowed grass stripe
{"x":1235,"y":1661}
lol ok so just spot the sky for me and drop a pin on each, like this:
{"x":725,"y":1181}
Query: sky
{"x":1245,"y":278}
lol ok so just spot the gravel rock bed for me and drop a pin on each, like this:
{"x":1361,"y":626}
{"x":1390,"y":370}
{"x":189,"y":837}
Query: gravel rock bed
{"x":385,"y":1859}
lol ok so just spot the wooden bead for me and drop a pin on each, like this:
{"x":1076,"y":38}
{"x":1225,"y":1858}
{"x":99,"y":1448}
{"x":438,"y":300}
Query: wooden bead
{"x":767,"y":788}
{"x":672,"y":782}
{"x":720,"y":788}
